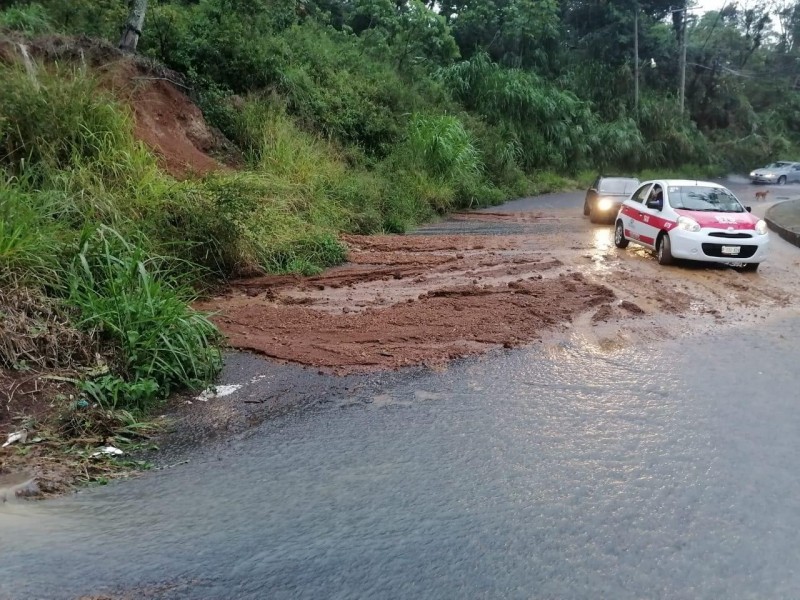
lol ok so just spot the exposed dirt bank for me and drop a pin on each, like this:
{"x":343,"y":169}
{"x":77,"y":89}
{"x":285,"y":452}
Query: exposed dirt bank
{"x":165,"y":118}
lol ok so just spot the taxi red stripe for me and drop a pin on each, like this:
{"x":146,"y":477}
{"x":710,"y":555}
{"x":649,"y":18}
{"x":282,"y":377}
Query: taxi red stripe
{"x":652,"y":220}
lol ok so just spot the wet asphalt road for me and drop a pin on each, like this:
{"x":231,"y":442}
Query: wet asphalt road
{"x":741,"y":188}
{"x":666,"y":469}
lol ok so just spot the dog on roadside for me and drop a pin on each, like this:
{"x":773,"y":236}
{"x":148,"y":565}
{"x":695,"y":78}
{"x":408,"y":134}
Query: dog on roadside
{"x":762,"y":195}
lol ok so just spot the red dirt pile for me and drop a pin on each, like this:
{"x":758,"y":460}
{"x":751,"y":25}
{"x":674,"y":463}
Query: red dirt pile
{"x":406,"y":300}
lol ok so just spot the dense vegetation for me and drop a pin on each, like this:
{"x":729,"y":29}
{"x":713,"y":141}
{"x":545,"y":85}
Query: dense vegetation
{"x":352,"y":115}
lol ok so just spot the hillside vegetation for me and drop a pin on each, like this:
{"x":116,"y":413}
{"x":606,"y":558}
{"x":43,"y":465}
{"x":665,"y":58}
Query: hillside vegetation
{"x":356,"y":116}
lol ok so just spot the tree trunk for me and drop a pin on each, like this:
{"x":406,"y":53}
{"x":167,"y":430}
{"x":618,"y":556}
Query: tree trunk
{"x":133,"y":27}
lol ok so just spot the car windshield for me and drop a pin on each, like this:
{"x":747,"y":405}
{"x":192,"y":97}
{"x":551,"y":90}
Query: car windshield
{"x":618,"y":185}
{"x":702,"y":198}
{"x":777,"y":165}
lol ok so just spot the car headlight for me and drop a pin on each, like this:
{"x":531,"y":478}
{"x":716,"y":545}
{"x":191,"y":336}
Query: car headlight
{"x":604,"y":204}
{"x":761,"y":228}
{"x":753,"y":174}
{"x":769,"y":174}
{"x":688,"y":224}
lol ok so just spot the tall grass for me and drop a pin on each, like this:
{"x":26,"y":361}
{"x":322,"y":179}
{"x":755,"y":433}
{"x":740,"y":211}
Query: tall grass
{"x":551,"y":126}
{"x":132,"y":302}
{"x":442,"y":146}
{"x":29,"y":247}
{"x":33,"y":18}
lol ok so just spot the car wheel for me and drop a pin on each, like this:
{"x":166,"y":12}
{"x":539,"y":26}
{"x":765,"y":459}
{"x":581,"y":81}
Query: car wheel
{"x":586,"y":210}
{"x":664,"y":250}
{"x":750,"y":267}
{"x":620,"y":241}
{"x":782,"y":180}
{"x":593,"y":216}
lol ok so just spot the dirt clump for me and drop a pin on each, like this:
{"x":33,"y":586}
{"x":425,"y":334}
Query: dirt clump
{"x":406,"y":300}
{"x":631,"y":307}
{"x":167,"y":120}
{"x":602,"y":314}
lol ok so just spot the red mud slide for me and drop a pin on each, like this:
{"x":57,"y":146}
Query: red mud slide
{"x":406,"y":300}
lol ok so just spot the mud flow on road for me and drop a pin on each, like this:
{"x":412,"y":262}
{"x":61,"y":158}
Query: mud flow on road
{"x":484,"y":280}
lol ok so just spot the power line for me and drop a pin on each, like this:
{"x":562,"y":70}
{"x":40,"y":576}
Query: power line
{"x":772,"y":76}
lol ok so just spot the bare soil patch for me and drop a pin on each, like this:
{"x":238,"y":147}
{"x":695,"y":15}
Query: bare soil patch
{"x":406,"y":300}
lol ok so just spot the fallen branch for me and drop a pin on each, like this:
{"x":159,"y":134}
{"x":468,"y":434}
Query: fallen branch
{"x":172,"y":81}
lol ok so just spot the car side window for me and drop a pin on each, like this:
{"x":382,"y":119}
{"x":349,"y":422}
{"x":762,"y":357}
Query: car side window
{"x":641,"y":193}
{"x":657,"y":193}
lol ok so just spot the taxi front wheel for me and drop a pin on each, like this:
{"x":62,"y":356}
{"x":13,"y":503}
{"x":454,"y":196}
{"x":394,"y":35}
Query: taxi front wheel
{"x":664,"y":251}
{"x":620,"y":241}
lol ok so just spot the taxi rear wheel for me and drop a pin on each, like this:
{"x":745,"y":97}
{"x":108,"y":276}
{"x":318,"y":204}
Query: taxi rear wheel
{"x":664,"y":250}
{"x":620,"y":241}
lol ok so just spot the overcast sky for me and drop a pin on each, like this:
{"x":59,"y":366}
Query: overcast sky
{"x":705,"y":5}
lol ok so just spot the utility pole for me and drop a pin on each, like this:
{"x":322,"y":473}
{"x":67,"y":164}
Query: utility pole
{"x":682,"y":85}
{"x":636,"y":58}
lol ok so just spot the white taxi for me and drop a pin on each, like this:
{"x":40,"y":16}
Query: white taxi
{"x":694,"y":220}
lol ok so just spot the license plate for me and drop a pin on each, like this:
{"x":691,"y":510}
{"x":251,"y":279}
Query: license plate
{"x":730,"y":250}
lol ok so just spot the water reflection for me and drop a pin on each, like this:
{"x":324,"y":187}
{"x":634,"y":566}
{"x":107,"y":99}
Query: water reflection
{"x":601,"y":248}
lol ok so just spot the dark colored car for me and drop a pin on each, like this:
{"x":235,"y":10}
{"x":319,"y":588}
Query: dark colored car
{"x":606,"y":195}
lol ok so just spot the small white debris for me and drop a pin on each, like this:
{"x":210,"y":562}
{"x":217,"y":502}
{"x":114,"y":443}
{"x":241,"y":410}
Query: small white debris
{"x":107,"y":451}
{"x":17,"y":436}
{"x":218,"y":391}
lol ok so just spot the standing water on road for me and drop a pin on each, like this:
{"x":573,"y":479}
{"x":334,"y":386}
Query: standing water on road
{"x":558,"y":471}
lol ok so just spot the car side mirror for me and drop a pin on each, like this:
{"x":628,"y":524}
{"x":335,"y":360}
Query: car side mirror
{"x":748,"y":208}
{"x":655,"y":204}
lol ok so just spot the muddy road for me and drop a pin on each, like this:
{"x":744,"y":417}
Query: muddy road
{"x":641,"y":444}
{"x":501,"y":277}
